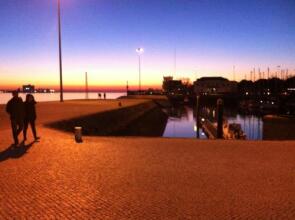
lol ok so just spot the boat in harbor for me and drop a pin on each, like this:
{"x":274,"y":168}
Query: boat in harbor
{"x":233,"y":131}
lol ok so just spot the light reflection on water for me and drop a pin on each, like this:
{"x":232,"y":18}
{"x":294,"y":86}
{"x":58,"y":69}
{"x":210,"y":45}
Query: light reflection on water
{"x":182,"y":122}
{"x":252,"y":125}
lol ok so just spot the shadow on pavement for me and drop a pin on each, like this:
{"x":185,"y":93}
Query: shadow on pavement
{"x":15,"y":152}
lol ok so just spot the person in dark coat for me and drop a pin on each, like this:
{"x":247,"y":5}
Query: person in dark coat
{"x":15,"y":108}
{"x":30,"y":116}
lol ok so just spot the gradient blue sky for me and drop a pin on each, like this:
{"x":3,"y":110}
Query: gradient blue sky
{"x":100,"y":37}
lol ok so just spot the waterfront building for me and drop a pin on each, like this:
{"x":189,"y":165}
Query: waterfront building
{"x":214,"y":86}
{"x":28,"y":88}
{"x":172,"y":86}
{"x":290,"y":85}
{"x":42,"y":90}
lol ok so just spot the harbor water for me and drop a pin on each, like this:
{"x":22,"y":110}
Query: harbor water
{"x":182,"y":122}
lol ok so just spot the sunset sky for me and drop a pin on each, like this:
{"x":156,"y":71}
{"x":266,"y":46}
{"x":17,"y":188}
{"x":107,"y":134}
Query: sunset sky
{"x":100,"y":37}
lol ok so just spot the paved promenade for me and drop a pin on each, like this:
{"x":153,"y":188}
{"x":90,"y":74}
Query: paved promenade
{"x":145,"y":178}
{"x":54,"y":111}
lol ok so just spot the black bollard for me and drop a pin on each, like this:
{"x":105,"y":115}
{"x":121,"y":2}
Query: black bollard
{"x":78,"y":134}
{"x":219,"y":119}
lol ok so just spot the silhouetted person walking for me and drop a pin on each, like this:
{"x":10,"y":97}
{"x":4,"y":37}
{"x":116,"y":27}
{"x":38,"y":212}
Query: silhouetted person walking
{"x":15,"y":108}
{"x":30,"y":116}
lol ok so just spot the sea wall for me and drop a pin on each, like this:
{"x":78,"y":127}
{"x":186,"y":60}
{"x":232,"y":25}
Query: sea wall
{"x":152,"y":123}
{"x":145,"y":119}
{"x":278,"y":128}
{"x":160,"y":100}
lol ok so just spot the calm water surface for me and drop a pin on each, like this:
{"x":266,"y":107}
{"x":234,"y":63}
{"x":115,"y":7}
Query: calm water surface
{"x":182,"y":123}
{"x":45,"y":97}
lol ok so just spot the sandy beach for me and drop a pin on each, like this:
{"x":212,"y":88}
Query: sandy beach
{"x":141,"y":178}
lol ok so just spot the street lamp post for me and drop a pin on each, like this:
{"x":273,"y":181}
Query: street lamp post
{"x":60,"y":53}
{"x":139,"y":52}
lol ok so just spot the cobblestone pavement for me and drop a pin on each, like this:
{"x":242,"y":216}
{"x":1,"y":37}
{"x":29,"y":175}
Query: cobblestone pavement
{"x":146,"y":178}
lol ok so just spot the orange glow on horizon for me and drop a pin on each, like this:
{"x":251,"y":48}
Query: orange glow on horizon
{"x":81,"y":88}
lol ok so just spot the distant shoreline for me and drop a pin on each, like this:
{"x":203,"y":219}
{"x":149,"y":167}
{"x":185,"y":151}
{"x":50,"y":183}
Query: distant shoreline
{"x":9,"y":91}
{"x":51,"y":97}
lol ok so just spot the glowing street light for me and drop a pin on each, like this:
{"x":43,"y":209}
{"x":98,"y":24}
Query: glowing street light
{"x":60,"y":52}
{"x":139,"y":52}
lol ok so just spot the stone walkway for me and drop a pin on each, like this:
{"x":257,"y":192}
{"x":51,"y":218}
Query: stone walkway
{"x":147,"y":178}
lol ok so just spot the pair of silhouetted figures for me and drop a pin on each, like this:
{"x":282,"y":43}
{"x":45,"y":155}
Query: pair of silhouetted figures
{"x":104,"y":95}
{"x":22,"y":114}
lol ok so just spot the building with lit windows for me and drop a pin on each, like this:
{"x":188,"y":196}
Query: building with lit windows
{"x":214,"y":86}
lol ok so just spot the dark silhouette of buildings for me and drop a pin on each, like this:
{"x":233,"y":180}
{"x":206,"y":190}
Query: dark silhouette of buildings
{"x":214,"y":86}
{"x":28,"y":88}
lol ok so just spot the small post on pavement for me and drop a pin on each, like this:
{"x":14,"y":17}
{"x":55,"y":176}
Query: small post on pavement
{"x":219,"y":118}
{"x":78,"y":134}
